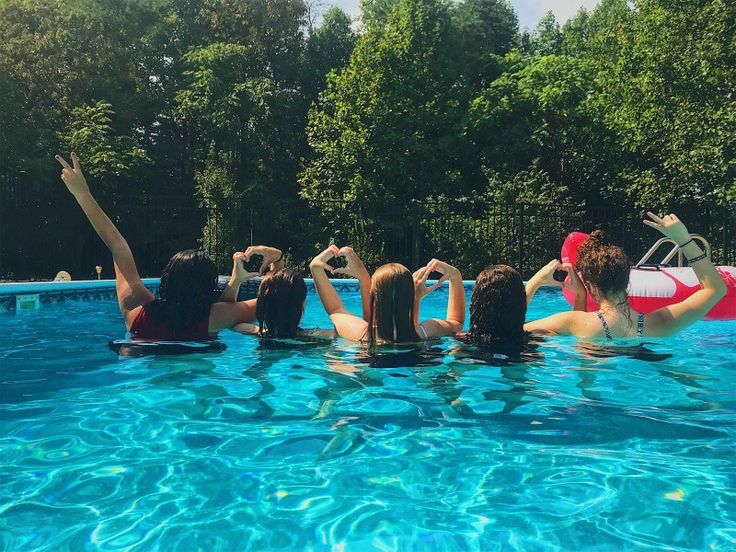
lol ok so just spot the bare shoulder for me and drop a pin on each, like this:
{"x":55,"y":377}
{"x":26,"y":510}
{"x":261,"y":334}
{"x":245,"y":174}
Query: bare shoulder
{"x":225,"y":315}
{"x":435,"y":327}
{"x":245,"y":328}
{"x":562,"y":323}
{"x":657,"y":323}
{"x":349,"y":326}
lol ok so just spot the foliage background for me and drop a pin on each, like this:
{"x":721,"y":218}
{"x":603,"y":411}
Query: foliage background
{"x":211,"y":122}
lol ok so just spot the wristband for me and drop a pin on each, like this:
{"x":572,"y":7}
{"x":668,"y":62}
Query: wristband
{"x":687,"y":242}
{"x":698,"y":258}
{"x":281,"y":258}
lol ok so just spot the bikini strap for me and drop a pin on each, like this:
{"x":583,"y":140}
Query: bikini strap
{"x":640,"y":326}
{"x":606,"y":329}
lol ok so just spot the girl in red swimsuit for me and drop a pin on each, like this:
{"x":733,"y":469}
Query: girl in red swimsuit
{"x":183,"y":310}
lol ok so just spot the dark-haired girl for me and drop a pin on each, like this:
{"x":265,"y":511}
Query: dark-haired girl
{"x":605,"y":269}
{"x":500,"y":299}
{"x":391,"y":299}
{"x":183,"y":310}
{"x":281,"y":296}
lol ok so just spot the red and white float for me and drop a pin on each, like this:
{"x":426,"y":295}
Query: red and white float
{"x":654,"y":287}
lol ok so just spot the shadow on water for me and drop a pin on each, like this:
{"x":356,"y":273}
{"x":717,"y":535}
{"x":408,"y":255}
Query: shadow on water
{"x":132,"y":348}
{"x":592,"y":357}
{"x":36,"y":378}
{"x":637,"y":352}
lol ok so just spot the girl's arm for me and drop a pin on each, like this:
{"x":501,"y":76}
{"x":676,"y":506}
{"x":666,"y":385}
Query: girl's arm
{"x":238,"y":276}
{"x":455,"y":317}
{"x":347,"y":324}
{"x":357,"y":269}
{"x":421,"y":290}
{"x":130,"y":290}
{"x":577,"y":286}
{"x":543,"y":277}
{"x":273,"y":258}
{"x":562,"y":323}
{"x":229,"y":312}
{"x":671,"y":319}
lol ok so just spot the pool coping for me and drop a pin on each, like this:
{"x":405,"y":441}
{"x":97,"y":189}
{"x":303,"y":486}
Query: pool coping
{"x":104,"y":290}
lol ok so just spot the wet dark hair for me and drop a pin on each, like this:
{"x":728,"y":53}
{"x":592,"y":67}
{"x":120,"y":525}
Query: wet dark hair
{"x":603,"y":264}
{"x":498,"y":307}
{"x":280,"y":304}
{"x":185,"y":294}
{"x":392,"y":305}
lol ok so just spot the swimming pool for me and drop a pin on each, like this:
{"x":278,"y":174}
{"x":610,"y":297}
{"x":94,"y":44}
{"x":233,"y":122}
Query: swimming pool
{"x":328,"y":448}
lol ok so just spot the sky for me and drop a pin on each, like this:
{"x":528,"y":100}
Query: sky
{"x":529,"y":11}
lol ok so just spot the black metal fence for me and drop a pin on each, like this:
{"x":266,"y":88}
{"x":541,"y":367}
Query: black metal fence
{"x":43,"y":231}
{"x":473,"y":234}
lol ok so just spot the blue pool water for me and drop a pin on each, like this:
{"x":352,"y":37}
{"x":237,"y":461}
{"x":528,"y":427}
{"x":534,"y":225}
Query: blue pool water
{"x":329,"y":448}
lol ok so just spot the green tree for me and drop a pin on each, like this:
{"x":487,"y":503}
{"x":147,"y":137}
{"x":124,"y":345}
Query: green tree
{"x":106,"y":153}
{"x":386,"y":130}
{"x":17,"y":137}
{"x":375,"y":12}
{"x":219,"y":195}
{"x":547,"y":37}
{"x":486,"y":30}
{"x":328,"y":48}
{"x":598,"y":34}
{"x":668,"y":78}
{"x":538,"y":132}
{"x":66,"y":53}
{"x":241,"y":91}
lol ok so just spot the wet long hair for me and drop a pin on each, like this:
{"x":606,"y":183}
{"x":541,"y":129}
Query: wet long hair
{"x":498,"y":308}
{"x":280,"y":304}
{"x":392,"y":305}
{"x":185,"y":294}
{"x":604,"y":265}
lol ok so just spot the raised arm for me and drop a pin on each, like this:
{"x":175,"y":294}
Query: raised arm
{"x":357,"y":269}
{"x":347,"y":324}
{"x":455,"y":317}
{"x":577,"y":286}
{"x":130,"y":290}
{"x":272,"y":258}
{"x":421,"y":289}
{"x":237,"y":277}
{"x":562,"y":322}
{"x":543,"y":277}
{"x":228,"y":312}
{"x":671,"y":319}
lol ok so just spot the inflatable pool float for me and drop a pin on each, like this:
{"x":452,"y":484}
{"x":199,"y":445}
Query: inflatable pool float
{"x":655,"y":286}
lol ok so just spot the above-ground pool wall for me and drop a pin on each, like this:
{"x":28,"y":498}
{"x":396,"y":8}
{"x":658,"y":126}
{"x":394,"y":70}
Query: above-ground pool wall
{"x":42,"y":293}
{"x":91,"y":290}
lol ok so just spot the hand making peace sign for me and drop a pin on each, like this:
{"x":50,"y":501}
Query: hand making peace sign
{"x":72,"y":176}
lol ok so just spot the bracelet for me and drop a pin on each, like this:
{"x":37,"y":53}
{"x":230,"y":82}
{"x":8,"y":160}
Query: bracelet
{"x":281,"y":258}
{"x":698,"y":258}
{"x":687,"y":242}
